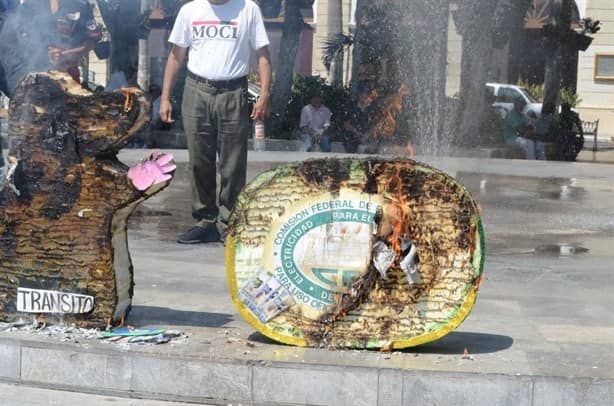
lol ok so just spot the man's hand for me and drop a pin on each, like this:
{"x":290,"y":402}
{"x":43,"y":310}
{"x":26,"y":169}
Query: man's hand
{"x":64,"y":58}
{"x":175,"y":60}
{"x":309,"y":131}
{"x":262,"y":107}
{"x":166,"y":110}
{"x":54,"y":55}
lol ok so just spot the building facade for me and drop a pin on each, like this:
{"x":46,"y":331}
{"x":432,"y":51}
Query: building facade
{"x":596,"y":68}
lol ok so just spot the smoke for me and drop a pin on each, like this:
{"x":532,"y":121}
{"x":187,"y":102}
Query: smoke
{"x":24,"y":41}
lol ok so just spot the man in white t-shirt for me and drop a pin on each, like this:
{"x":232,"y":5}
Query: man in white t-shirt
{"x":314,"y":125}
{"x":218,"y":36}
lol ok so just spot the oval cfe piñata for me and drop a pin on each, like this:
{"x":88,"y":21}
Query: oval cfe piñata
{"x":360,"y":253}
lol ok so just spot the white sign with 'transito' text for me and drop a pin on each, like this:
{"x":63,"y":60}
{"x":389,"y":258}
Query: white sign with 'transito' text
{"x":51,"y":301}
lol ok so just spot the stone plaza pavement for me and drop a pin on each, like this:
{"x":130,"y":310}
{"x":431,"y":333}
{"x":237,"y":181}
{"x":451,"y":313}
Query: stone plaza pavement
{"x":541,"y":332}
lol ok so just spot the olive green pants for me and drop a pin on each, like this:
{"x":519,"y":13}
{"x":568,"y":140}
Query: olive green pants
{"x":215,"y":121}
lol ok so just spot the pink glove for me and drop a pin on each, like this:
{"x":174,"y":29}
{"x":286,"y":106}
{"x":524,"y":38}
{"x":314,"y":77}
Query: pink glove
{"x":153,"y":171}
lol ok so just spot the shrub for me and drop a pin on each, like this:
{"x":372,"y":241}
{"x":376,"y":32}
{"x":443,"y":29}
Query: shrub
{"x":537,"y":91}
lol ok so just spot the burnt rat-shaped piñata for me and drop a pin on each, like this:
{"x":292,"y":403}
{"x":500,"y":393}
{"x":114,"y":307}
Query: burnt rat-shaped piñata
{"x":66,"y":198}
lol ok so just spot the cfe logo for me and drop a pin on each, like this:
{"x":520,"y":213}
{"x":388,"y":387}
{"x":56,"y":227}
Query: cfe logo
{"x":320,"y":248}
{"x":215,"y":29}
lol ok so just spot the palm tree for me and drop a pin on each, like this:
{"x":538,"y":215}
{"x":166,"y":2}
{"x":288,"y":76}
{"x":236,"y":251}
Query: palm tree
{"x":288,"y":49}
{"x":358,"y":42}
{"x":334,"y":49}
{"x":335,"y":29}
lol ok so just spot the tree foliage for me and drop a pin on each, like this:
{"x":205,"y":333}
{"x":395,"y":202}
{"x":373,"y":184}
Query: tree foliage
{"x":537,"y":91}
{"x":334,"y":46}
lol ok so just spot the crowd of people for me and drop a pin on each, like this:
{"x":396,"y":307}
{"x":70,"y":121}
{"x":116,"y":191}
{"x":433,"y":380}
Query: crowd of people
{"x":557,"y":136}
{"x":219,"y":37}
{"x":39,"y":35}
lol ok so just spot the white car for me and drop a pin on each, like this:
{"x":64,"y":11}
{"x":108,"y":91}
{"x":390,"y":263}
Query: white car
{"x":505,"y":95}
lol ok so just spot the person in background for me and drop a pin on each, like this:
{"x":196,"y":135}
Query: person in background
{"x":491,"y":122}
{"x":6,"y":8}
{"x":545,"y":124}
{"x":144,"y":138}
{"x":153,"y":95}
{"x":154,"y":98}
{"x":517,"y":131}
{"x":356,"y":121}
{"x":219,"y":36}
{"x":315,"y":125}
{"x":41,"y":35}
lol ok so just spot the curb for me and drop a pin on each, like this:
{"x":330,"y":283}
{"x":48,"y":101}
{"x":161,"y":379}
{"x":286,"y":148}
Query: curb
{"x":142,"y":375}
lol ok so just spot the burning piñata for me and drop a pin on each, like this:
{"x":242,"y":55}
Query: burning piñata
{"x":66,"y":198}
{"x":369,"y":253}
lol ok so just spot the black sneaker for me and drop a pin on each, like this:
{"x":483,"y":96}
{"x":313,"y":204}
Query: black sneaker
{"x":198,"y":235}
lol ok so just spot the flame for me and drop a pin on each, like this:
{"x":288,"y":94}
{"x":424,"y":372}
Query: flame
{"x":128,"y":99}
{"x":397,"y":213}
{"x":388,"y":347}
{"x":384,"y":121}
{"x":398,"y":205}
{"x":410,"y":149}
